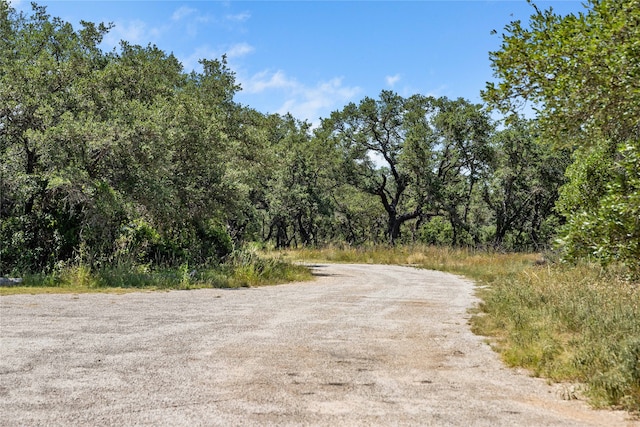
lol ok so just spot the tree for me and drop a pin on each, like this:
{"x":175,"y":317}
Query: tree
{"x":522,"y":186}
{"x":420,"y":156}
{"x":462,"y":154}
{"x":293,"y":182}
{"x":582,"y":74}
{"x":104,"y":155}
{"x":375,"y":131}
{"x":43,"y":79}
{"x":607,"y":191}
{"x":197,"y":139}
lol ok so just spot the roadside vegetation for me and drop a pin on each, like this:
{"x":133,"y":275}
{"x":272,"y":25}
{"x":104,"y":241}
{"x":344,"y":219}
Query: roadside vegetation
{"x":568,"y":324}
{"x":573,"y":323}
{"x":243,"y":269}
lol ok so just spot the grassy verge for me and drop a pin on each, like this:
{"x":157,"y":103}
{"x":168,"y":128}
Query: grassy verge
{"x":244,"y":269}
{"x":575,"y":324}
{"x":569,"y":323}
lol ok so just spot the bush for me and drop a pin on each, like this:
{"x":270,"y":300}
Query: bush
{"x":602,"y":205}
{"x":437,"y":231}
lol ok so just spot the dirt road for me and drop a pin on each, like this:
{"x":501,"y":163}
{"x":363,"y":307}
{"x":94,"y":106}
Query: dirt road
{"x":361,"y":345}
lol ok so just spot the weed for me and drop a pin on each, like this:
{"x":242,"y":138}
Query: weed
{"x":245,"y":268}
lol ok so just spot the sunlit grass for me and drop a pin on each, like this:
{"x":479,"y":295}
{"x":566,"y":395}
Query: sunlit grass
{"x":569,"y":323}
{"x":244,"y":269}
{"x":480,"y":265}
{"x":248,"y":268}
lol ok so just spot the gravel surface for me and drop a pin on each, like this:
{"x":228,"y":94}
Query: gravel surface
{"x":361,"y":345}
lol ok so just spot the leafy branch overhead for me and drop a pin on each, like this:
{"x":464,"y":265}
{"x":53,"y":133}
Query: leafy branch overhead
{"x":582,"y":75}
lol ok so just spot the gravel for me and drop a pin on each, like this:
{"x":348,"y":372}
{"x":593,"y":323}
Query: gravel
{"x":360,"y":345}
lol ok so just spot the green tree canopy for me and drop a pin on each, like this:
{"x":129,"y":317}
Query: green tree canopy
{"x":121,"y":156}
{"x":420,"y":156}
{"x":97,"y":147}
{"x":582,"y":75}
{"x":522,"y":186}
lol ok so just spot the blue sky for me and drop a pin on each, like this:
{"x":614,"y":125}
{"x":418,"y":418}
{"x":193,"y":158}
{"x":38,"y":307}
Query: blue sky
{"x":313,"y":57}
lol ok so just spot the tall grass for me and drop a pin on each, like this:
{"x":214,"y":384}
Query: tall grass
{"x":478,"y":264}
{"x":569,"y":323}
{"x":243,"y":269}
{"x":576,"y":324}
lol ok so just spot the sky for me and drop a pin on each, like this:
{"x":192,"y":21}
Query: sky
{"x":310,"y":58}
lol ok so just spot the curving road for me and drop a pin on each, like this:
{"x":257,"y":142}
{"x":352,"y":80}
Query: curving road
{"x":361,"y":345}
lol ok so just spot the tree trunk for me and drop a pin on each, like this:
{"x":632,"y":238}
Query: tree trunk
{"x":393,"y":229}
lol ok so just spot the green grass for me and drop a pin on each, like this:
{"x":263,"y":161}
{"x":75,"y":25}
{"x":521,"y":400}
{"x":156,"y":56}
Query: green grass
{"x":577,"y":324}
{"x":244,"y":269}
{"x":569,"y":323}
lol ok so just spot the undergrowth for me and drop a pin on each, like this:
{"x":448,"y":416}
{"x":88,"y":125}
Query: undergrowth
{"x":243,"y":269}
{"x":566,"y":323}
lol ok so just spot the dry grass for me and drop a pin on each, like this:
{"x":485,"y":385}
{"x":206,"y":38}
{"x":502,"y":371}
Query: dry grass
{"x":569,"y":323}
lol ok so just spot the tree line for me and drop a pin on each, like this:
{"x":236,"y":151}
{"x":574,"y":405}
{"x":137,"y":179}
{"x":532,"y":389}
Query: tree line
{"x":122,"y":155}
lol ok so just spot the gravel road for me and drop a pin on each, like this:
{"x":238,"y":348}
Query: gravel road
{"x":361,"y":345}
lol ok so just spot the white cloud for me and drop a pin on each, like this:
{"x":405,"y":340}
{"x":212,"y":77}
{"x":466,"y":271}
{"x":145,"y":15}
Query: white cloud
{"x":190,"y":62}
{"x":392,"y":80}
{"x":205,"y":19}
{"x":239,"y":49}
{"x":260,"y":82}
{"x":438,"y":91}
{"x":239,"y":17}
{"x":312,"y":102}
{"x":190,"y":20}
{"x":182,"y":13}
{"x":302,"y":101}
{"x":135,"y":32}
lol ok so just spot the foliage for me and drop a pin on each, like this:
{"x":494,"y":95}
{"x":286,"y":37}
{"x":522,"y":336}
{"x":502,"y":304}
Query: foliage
{"x":359,"y":218}
{"x":523,"y":187}
{"x":121,"y":157}
{"x":420,"y":156}
{"x":580,"y":72}
{"x":582,"y":75}
{"x":297,"y":182}
{"x":93,"y":142}
{"x":606,"y":189}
